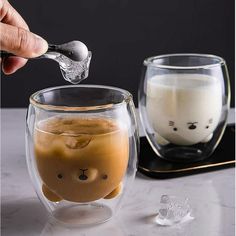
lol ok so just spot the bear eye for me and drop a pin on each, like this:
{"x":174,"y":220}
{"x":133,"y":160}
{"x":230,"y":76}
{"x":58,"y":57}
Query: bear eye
{"x":104,"y":176}
{"x":207,"y":126}
{"x":59,"y":176}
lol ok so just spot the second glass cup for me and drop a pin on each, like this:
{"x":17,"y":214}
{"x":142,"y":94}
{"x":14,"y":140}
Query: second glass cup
{"x":81,"y":145}
{"x":183,"y":103}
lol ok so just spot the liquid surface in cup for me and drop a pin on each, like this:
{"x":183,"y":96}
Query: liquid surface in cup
{"x":184,"y":109}
{"x":81,"y":159}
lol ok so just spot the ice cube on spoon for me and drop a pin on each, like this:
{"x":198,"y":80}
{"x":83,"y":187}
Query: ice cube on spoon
{"x":74,"y":60}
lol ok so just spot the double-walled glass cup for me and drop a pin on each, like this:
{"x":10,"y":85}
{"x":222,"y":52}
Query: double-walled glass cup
{"x":183,"y":103}
{"x":81,"y":145}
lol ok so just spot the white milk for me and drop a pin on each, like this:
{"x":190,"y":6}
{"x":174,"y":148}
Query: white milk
{"x":184,"y":109}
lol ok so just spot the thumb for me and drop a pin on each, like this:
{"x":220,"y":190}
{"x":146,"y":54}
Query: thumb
{"x":21,"y":42}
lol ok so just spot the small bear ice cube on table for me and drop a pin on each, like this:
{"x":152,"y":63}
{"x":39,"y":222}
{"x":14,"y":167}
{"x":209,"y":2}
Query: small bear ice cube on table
{"x":173,"y":210}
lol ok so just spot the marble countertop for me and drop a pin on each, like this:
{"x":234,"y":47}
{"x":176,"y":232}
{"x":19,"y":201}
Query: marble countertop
{"x":211,"y":196}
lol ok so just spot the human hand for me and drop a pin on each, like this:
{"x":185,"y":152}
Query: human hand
{"x":16,"y":38}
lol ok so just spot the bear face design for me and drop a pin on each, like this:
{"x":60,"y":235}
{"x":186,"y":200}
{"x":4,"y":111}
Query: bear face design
{"x":178,"y":134}
{"x":81,"y":159}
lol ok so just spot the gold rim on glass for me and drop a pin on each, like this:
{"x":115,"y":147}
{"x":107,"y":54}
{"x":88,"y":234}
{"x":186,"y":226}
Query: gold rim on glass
{"x":127,"y":98}
{"x":150,"y":61}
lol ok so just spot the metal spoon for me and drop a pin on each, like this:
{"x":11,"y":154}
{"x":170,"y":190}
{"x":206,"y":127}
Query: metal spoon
{"x":75,"y":50}
{"x":73,"y":58}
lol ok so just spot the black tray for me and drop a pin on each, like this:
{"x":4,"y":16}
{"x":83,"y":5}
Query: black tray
{"x":153,"y":166}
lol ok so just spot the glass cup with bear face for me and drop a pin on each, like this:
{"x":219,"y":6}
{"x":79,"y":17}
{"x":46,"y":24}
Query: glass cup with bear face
{"x":81,"y":149}
{"x":184,"y":102}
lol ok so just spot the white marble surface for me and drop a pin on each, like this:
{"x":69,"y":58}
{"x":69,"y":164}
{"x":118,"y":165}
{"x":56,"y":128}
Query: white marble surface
{"x":211,"y":196}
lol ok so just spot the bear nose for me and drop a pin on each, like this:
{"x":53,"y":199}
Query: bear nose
{"x":83,"y":177}
{"x":192,"y":126}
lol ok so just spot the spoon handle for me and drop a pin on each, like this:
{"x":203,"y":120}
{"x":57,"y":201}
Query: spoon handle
{"x":51,"y":48}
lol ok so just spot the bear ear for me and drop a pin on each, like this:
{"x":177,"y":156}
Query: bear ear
{"x":207,"y":139}
{"x":51,"y":196}
{"x":115,"y":192}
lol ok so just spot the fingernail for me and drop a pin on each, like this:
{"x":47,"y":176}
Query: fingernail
{"x":41,"y":45}
{"x":7,"y":66}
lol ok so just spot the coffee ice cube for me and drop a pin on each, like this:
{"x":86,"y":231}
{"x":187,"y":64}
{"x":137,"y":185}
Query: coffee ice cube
{"x":80,"y":141}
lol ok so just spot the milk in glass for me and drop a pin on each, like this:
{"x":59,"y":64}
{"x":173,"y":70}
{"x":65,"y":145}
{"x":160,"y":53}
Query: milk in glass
{"x":184,"y":109}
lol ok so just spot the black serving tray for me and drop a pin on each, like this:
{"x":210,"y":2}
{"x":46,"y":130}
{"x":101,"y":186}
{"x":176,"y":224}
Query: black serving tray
{"x":153,"y":166}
